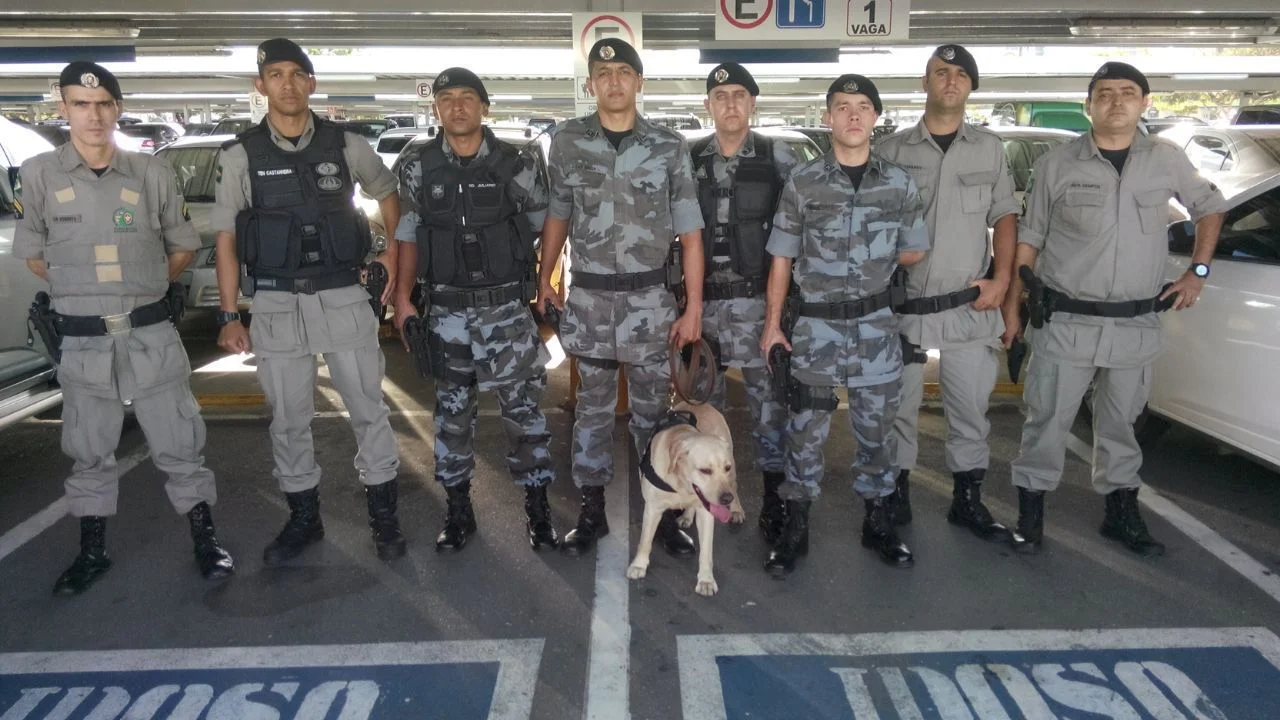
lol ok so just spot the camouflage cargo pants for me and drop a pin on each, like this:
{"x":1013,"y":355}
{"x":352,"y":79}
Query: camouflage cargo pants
{"x":528,"y":457}
{"x":648,"y":389}
{"x":769,"y":415}
{"x":871,"y":414}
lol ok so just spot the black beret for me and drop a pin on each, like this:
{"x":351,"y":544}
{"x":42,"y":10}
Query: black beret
{"x":615,"y":50}
{"x":456,"y":77}
{"x":1112,"y":70}
{"x":958,"y":55}
{"x":283,"y":50}
{"x":731,"y":73}
{"x":856,"y":85}
{"x":90,"y":75}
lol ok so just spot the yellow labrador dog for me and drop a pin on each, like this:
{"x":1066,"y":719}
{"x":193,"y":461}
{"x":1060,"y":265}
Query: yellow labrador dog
{"x":689,"y":467}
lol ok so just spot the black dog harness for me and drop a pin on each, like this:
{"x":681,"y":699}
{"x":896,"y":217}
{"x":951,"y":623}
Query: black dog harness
{"x":670,"y":420}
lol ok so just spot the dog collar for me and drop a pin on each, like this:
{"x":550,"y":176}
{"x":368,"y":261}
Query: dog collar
{"x":670,"y":420}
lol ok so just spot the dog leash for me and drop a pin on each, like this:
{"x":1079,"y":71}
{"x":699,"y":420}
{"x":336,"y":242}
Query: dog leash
{"x":695,"y":380}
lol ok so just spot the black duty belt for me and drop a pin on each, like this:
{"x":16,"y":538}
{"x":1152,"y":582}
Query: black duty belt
{"x":94,"y":325}
{"x":732,"y":289}
{"x":307,"y":285}
{"x":938,"y":303}
{"x":1059,"y":302}
{"x":481,"y":297}
{"x":849,"y":309}
{"x":620,"y":283}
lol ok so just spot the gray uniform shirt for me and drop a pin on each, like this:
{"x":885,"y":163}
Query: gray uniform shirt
{"x":965,"y":191}
{"x":1103,"y":236}
{"x":845,"y":246}
{"x":503,"y":338}
{"x":624,"y":207}
{"x":107,"y":241}
{"x":234,"y":194}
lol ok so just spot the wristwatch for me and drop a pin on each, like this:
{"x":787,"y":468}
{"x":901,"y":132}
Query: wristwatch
{"x":223,"y":317}
{"x":1200,"y":270}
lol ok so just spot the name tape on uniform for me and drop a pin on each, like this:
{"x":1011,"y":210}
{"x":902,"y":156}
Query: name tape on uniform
{"x":1196,"y":674}
{"x":484,"y":680}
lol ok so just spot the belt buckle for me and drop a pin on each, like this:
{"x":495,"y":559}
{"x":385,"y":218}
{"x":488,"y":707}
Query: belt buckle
{"x":304,"y":285}
{"x":117,"y":324}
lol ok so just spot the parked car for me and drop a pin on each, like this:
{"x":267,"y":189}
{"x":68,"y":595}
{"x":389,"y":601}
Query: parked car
{"x":1153,"y":126}
{"x":27,"y":373}
{"x":1214,"y":375}
{"x":59,"y":135}
{"x":367,"y":129}
{"x":198,"y":129}
{"x":406,"y":120}
{"x":391,"y":142}
{"x":1023,"y":146}
{"x":804,"y":148}
{"x":153,"y":135}
{"x":195,"y":164}
{"x":1221,"y":153}
{"x":821,"y":136}
{"x":232,"y":125}
{"x":1257,"y":115}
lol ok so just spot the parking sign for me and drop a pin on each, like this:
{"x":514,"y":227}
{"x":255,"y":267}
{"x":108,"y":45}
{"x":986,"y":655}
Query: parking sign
{"x":802,"y":13}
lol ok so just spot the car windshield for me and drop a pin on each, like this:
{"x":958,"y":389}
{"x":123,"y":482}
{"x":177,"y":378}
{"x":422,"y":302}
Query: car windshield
{"x":196,"y":169}
{"x":393,"y":144}
{"x":1251,"y":230}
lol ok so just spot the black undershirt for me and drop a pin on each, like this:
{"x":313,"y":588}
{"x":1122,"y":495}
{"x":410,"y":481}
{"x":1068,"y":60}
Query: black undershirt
{"x":855,"y":173}
{"x":292,"y":138}
{"x":615,"y":137}
{"x":1116,"y":158}
{"x":465,"y":160}
{"x":100,"y":171}
{"x":944,"y":141}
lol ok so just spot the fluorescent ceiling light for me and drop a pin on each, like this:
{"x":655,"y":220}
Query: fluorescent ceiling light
{"x":1199,"y":27}
{"x":81,"y":29}
{"x":1210,"y":76}
{"x":345,"y":78}
{"x":511,"y":98}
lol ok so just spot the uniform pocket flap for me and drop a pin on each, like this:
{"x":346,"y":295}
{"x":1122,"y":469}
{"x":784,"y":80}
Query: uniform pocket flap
{"x":189,"y":407}
{"x":344,"y":296}
{"x":1153,"y":198}
{"x":1086,"y":198}
{"x":983,"y":177}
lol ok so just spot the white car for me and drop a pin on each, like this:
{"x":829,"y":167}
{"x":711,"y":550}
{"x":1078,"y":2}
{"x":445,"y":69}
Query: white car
{"x":27,"y":373}
{"x":1215,"y":373}
{"x":391,"y":142}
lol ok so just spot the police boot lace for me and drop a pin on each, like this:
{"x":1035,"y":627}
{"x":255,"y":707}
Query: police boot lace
{"x":91,"y":563}
{"x":388,"y":541}
{"x":459,"y":518}
{"x":1029,"y":534}
{"x":541,"y":532}
{"x":792,"y":542}
{"x":967,"y":509}
{"x":773,"y":511}
{"x":878,"y":534}
{"x":1123,"y":523}
{"x":214,"y":561}
{"x":302,"y":529}
{"x":592,"y":524}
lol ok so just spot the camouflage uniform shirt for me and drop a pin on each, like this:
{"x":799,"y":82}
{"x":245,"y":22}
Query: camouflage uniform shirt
{"x":738,"y":323}
{"x":624,"y":209}
{"x":504,"y":338}
{"x":845,"y":246}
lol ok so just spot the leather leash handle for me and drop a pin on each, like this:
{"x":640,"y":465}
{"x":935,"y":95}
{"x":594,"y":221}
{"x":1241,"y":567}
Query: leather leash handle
{"x":685,"y":378}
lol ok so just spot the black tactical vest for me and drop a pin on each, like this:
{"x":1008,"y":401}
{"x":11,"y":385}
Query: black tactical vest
{"x":752,"y":202}
{"x":471,"y":232}
{"x":302,"y":222}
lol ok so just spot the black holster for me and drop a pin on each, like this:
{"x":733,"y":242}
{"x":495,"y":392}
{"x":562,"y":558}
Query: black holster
{"x":1038,"y":308}
{"x":780,"y":372}
{"x":375,"y":281}
{"x":176,"y":299}
{"x":675,"y":274}
{"x":912,"y":354}
{"x":898,"y":287}
{"x":418,"y":338}
{"x":40,"y":321}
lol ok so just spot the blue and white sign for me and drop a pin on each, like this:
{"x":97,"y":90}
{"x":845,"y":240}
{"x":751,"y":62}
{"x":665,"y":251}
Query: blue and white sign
{"x":1167,"y":674}
{"x":831,"y":22}
{"x":488,"y":680}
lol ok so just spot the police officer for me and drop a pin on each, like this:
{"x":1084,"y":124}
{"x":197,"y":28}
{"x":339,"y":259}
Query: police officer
{"x":285,"y":209}
{"x":621,"y":190}
{"x":1095,"y":233}
{"x":107,"y":229}
{"x":740,"y":175}
{"x":474,"y":206}
{"x":845,"y":222}
{"x":964,"y":182}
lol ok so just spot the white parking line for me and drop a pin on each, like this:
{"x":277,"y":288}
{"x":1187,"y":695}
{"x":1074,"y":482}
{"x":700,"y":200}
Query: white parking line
{"x":1203,"y":535}
{"x":28,"y":529}
{"x":609,"y":661}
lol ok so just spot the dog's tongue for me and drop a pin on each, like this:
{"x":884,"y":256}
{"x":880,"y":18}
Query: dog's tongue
{"x":721,"y":512}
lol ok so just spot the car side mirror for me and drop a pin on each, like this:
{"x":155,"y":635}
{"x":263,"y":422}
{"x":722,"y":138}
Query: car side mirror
{"x":1182,"y":237}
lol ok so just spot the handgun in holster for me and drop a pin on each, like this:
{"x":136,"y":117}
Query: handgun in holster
{"x":375,"y":281}
{"x":1038,"y":310}
{"x":417,"y":337}
{"x":176,"y":299}
{"x":912,"y":354}
{"x":675,"y":273}
{"x":41,"y":320}
{"x":898,"y":287}
{"x":551,"y":316}
{"x":780,"y":373}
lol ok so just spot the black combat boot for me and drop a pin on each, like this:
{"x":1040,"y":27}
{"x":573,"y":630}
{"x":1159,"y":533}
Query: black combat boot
{"x":459,"y":519}
{"x":900,"y":500}
{"x":878,"y":534}
{"x":792,"y":542}
{"x":592,"y":524}
{"x":1029,"y":534}
{"x":773,"y":511}
{"x":541,"y":532}
{"x":302,"y":529}
{"x":967,"y":508}
{"x":91,"y":563}
{"x":214,"y":562}
{"x":1123,"y":523}
{"x":387,"y":538}
{"x":675,"y":541}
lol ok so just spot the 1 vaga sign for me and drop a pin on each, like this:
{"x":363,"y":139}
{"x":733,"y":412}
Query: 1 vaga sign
{"x":798,"y":21}
{"x":445,"y":681}
{"x":1197,"y":674}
